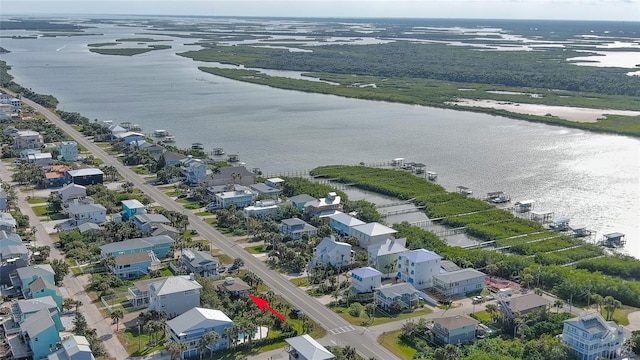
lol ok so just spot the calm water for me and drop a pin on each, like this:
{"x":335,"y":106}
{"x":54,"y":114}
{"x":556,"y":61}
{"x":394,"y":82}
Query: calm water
{"x":591,"y":178}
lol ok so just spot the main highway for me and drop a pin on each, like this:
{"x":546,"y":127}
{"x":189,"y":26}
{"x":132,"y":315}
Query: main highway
{"x":337,"y":327}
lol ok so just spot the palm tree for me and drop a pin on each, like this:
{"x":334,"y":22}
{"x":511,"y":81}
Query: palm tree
{"x":176,"y":349}
{"x":349,"y":352}
{"x":68,"y":303}
{"x":211,"y":338}
{"x":558,"y":304}
{"x":201,"y":346}
{"x":231,"y":333}
{"x":116,"y":316}
{"x":492,"y":309}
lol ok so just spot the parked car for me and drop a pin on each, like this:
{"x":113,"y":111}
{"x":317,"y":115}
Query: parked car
{"x":232,"y":268}
{"x":182,"y":196}
{"x":194,"y":232}
{"x":222,"y":269}
{"x":477,"y":300}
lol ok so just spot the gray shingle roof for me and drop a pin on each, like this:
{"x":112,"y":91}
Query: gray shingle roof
{"x":199,"y":258}
{"x":455,"y":322}
{"x":389,"y":246}
{"x":152,"y":218}
{"x":135,"y":258}
{"x":174,"y":284}
{"x":399,"y":289}
{"x":73,"y":348}
{"x":88,"y":226}
{"x":527,"y":302}
{"x":301,"y":199}
{"x":39,"y":284}
{"x":198,"y":318}
{"x":133,"y":244}
{"x":85,"y":208}
{"x":35,"y":270}
{"x":28,"y":306}
{"x":37,"y":323}
{"x":460,"y":275}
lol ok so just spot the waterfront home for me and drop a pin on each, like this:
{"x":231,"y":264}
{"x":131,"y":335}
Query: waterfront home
{"x":10,"y":100}
{"x":232,"y":286}
{"x":261,"y":208}
{"x":195,"y":170}
{"x":71,"y":191}
{"x":26,"y":275}
{"x":459,"y":282}
{"x":40,"y":333}
{"x":147,"y":223}
{"x":134,"y":265}
{"x":73,"y":348}
{"x":116,"y":130}
{"x":174,"y":295}
{"x":131,"y":208}
{"x":55,"y":176}
{"x":139,"y":144}
{"x":330,"y":252}
{"x":365,"y":280}
{"x":160,"y":245}
{"x":24,"y":309}
{"x":295,"y":228}
{"x":200,"y":262}
{"x":41,"y":288}
{"x":87,"y":227}
{"x":300,"y":200}
{"x":156,"y":150}
{"x":232,"y":175}
{"x":401,"y":293}
{"x":171,"y":158}
{"x":417,"y":267}
{"x":80,"y":214}
{"x":454,"y":330}
{"x":164,"y":229}
{"x":342,"y":223}
{"x":88,"y":176}
{"x":240,"y":198}
{"x":129,"y":136}
{"x":304,"y":347}
{"x":524,"y":304}
{"x":324,"y":207}
{"x":68,"y":151}
{"x":591,"y":337}
{"x":384,"y":256}
{"x":189,"y":327}
{"x":371,"y":233}
{"x":27,"y":139}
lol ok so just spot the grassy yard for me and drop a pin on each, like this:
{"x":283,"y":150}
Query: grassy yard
{"x":483,"y":317}
{"x":379,"y":318}
{"x":223,"y":258}
{"x":392,"y":342}
{"x":40,"y":210}
{"x":192,"y":206}
{"x":203,"y":213}
{"x":302,"y":281}
{"x":140,"y":170}
{"x":130,"y":340}
{"x":33,"y":200}
{"x":621,"y":316}
{"x":258,"y":249}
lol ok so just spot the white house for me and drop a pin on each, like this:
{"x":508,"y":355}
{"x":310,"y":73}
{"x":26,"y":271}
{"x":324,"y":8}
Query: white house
{"x":461,"y":282}
{"x":364,"y":280}
{"x":323,"y":207}
{"x":591,"y":336}
{"x":192,"y":325}
{"x":261,"y":208}
{"x":384,"y":256}
{"x":73,"y":348}
{"x":305,"y":347}
{"x":80,"y":214}
{"x":195,"y":170}
{"x":417,"y":267}
{"x":69,"y":150}
{"x":342,"y":223}
{"x":40,"y":158}
{"x":71,"y":191}
{"x":331,"y":252}
{"x":174,"y":295}
{"x":27,"y":139}
{"x":371,"y":233}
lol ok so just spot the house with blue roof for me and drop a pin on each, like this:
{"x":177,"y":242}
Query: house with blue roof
{"x":342,"y":223}
{"x":417,"y":267}
{"x":365,"y":280}
{"x":160,"y":245}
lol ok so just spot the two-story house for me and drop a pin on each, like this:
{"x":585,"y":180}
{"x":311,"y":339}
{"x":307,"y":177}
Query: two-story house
{"x":26,"y":275}
{"x":295,"y":228}
{"x":404,"y":294}
{"x":591,"y":336}
{"x":74,"y":347}
{"x":454,"y":330}
{"x":241,"y":197}
{"x":147,"y":223}
{"x":27,"y":139}
{"x":232,"y":175}
{"x":25,"y":308}
{"x":459,"y":282}
{"x":174,"y":295}
{"x":342,"y":223}
{"x":195,"y":170}
{"x":131,"y":208}
{"x":160,"y":245}
{"x":372,"y":233}
{"x":417,"y":267}
{"x":300,"y":200}
{"x":71,"y":191}
{"x":331,"y":252}
{"x":134,"y":265}
{"x":200,"y":262}
{"x":365,"y":280}
{"x":83,"y":213}
{"x":305,"y":347}
{"x":189,"y":327}
{"x":88,"y":176}
{"x":524,"y":304}
{"x":40,"y":333}
{"x":266,"y":189}
{"x":384,"y":256}
{"x":232,"y":286}
{"x":68,"y":150}
{"x":55,"y":176}
{"x":261,"y":209}
{"x":40,"y":288}
{"x":324,"y":207}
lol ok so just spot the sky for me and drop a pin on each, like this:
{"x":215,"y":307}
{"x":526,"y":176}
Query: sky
{"x":623,"y":10}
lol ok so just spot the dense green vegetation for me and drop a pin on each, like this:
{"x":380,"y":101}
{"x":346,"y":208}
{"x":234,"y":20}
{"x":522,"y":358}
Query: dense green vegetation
{"x":129,"y":51}
{"x":44,"y":25}
{"x":140,"y":39}
{"x":6,"y":81}
{"x":102,"y":44}
{"x":626,"y":267}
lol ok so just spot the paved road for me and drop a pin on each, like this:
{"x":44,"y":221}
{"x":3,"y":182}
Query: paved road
{"x":345,"y":333}
{"x":73,"y":285}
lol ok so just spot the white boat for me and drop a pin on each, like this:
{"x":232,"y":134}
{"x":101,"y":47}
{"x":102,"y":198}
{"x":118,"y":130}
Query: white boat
{"x":169,"y":139}
{"x":160,"y":133}
{"x":197,"y":146}
{"x":218,"y":151}
{"x":135,"y":127}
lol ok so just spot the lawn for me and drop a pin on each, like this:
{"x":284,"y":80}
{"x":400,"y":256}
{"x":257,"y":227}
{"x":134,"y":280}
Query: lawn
{"x":621,"y":316}
{"x":140,"y":170}
{"x":392,"y":342}
{"x":483,"y":317}
{"x":203,"y":213}
{"x":41,"y":210}
{"x":302,"y":281}
{"x":33,"y":200}
{"x":192,"y":206}
{"x":223,"y":258}
{"x":379,"y":318}
{"x":258,"y":249}
{"x":130,"y":340}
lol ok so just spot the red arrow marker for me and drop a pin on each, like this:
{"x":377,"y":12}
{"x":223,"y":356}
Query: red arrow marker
{"x":263,"y":304}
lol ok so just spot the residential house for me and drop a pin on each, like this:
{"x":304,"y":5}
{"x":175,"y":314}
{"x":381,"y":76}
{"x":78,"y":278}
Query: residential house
{"x":195,"y":170}
{"x":156,"y":150}
{"x":7,"y":222}
{"x":266,"y":190}
{"x":129,"y":136}
{"x":365,"y":280}
{"x":342,"y":223}
{"x":164,"y":229}
{"x":189,"y":327}
{"x":116,"y":130}
{"x":371,"y":233}
{"x":73,"y":348}
{"x":262,"y":208}
{"x":305,"y":347}
{"x":275,"y":182}
{"x":403,"y":293}
{"x":71,"y":191}
{"x":454,"y":330}
{"x":295,"y":228}
{"x":240,"y":198}
{"x":147,"y":223}
{"x":87,"y":227}
{"x":139,"y":144}
{"x":26,"y":275}
{"x":24,"y":309}
{"x":174,"y":295}
{"x":40,"y":333}
{"x":27,"y":139}
{"x":80,"y":214}
{"x":331,"y":252}
{"x":459,"y":282}
{"x":300,"y":200}
{"x":384,"y":256}
{"x":324,"y":207}
{"x":172,"y":158}
{"x":131,"y":208}
{"x":39,"y":158}
{"x":138,"y":295}
{"x":524,"y":304}
{"x":88,"y":176}
{"x":10,"y":100}
{"x":56,"y":175}
{"x":134,"y":265}
{"x":160,"y":245}
{"x":591,"y":336}
{"x":41,"y":288}
{"x":3,"y":200}
{"x":200,"y":262}
{"x":232,"y":175}
{"x":417,"y":267}
{"x":68,"y":151}
{"x":232,"y":286}
{"x":12,"y":250}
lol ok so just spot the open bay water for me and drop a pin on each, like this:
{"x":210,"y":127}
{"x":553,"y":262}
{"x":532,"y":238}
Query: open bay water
{"x":594,"y":179}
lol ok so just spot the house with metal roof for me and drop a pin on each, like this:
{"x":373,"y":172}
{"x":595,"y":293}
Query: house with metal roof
{"x":523,"y":304}
{"x":189,"y":327}
{"x":417,"y":267}
{"x":87,"y":227}
{"x":331,"y":252}
{"x":403,"y":293}
{"x":232,"y":175}
{"x":71,"y":191}
{"x":174,"y":295}
{"x":384,"y":256}
{"x":371,"y":233}
{"x":305,"y":347}
{"x":39,"y":331}
{"x":40,"y":288}
{"x":261,"y":208}
{"x":26,"y":275}
{"x":592,"y":337}
{"x":300,"y":200}
{"x":365,"y":280}
{"x":454,"y":330}
{"x":73,"y":348}
{"x":134,"y":265}
{"x":240,"y":197}
{"x":342,"y":223}
{"x":129,"y":136}
{"x":147,"y":223}
{"x":165,"y":229}
{"x":295,"y":228}
{"x":200,"y":262}
{"x":27,"y":139}
{"x":80,"y":214}
{"x":88,"y":176}
{"x":68,"y":150}
{"x":7,"y":222}
{"x":160,"y":245}
{"x":459,"y":282}
{"x":266,"y":190}
{"x":131,"y":208}
{"x":13,"y":250}
{"x":25,"y":308}
{"x":324,"y":207}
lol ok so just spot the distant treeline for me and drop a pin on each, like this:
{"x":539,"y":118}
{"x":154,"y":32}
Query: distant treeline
{"x":44,"y":25}
{"x":6,"y":81}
